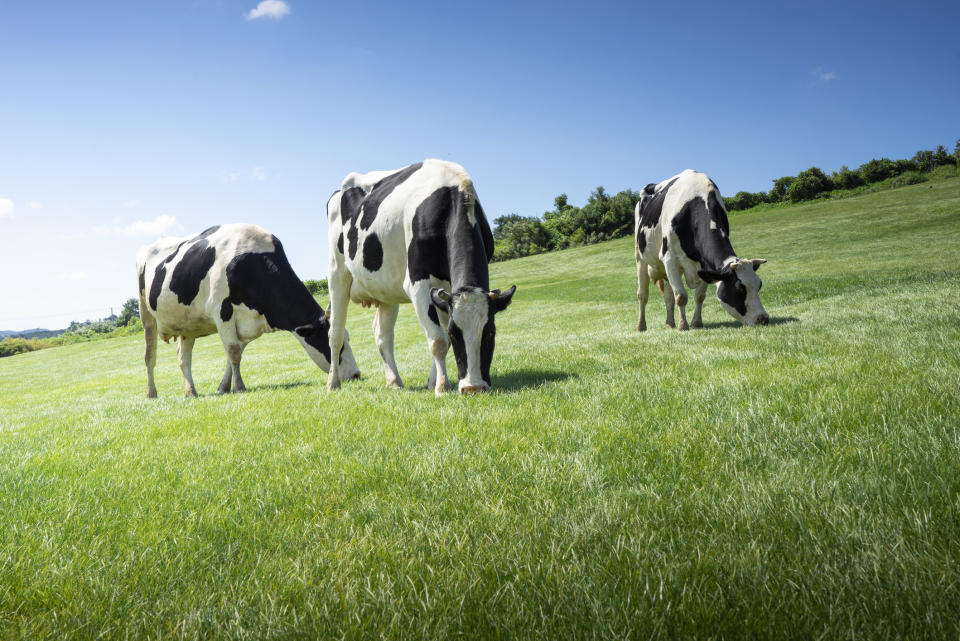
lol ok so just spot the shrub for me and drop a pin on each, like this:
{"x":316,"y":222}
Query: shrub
{"x":909,"y":178}
{"x":317,"y":287}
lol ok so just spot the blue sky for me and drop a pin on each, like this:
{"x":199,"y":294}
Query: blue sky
{"x":122,"y":121}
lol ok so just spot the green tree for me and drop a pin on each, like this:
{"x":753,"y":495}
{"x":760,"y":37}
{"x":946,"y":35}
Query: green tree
{"x":131,"y":310}
{"x":924,"y":159}
{"x":780,"y":187}
{"x":846,"y":179}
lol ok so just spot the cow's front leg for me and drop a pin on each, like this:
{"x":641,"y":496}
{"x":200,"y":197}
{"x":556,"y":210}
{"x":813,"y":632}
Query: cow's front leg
{"x":225,"y":382}
{"x":383,"y":323}
{"x":643,"y":292}
{"x":185,"y":356}
{"x":150,"y":338}
{"x":437,"y":340}
{"x":340,"y":280}
{"x":234,"y":353}
{"x":699,"y":295}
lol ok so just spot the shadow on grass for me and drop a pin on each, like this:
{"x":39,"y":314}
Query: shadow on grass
{"x":279,"y":386}
{"x":783,"y":320}
{"x":521,"y":379}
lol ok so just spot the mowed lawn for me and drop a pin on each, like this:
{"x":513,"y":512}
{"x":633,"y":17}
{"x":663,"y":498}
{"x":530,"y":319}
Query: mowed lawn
{"x":800,"y":480}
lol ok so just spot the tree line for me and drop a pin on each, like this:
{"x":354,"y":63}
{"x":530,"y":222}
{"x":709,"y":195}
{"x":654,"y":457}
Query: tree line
{"x":605,"y":217}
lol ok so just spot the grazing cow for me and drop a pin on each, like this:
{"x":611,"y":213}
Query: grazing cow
{"x":419,"y":235}
{"x":682,"y":233}
{"x":233,"y":280}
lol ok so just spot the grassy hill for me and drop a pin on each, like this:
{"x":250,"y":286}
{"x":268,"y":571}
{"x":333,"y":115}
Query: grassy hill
{"x":795,"y":481}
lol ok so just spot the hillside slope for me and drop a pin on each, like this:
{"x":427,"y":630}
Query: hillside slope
{"x":796,"y":480}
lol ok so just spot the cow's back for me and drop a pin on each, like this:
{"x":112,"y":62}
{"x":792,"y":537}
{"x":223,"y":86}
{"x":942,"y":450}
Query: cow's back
{"x":183,"y":280}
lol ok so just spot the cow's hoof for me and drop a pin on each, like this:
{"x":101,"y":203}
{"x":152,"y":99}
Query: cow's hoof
{"x":397,"y":384}
{"x":333,"y":385}
{"x":152,"y":394}
{"x":642,"y":326}
{"x":670,"y":326}
{"x":697,"y":325}
{"x":683,"y":327}
{"x":190,"y":393}
{"x":223,"y":390}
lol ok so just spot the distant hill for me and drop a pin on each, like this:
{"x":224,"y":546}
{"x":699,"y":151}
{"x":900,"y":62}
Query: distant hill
{"x":31,"y":333}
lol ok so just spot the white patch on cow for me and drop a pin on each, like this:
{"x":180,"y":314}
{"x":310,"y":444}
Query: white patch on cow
{"x":470,"y":312}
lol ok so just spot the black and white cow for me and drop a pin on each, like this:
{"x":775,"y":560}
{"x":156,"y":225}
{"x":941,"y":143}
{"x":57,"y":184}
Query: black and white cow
{"x":419,"y":235}
{"x":682,"y":233}
{"x":233,"y":280}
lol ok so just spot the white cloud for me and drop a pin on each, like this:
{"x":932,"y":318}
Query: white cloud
{"x":273,"y":9}
{"x":824,"y":76}
{"x":830,"y":75}
{"x":34,"y":204}
{"x":6,"y":208}
{"x":231,"y":177}
{"x":131,"y":204}
{"x":73,"y":276}
{"x":259,"y":174}
{"x":156,"y":227}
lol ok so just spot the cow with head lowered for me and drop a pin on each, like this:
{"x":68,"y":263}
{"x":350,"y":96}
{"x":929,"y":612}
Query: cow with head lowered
{"x":419,"y":235}
{"x":233,"y":280}
{"x":682,"y":233}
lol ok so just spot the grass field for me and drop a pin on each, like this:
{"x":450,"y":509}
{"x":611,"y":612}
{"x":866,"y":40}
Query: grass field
{"x":800,"y":480}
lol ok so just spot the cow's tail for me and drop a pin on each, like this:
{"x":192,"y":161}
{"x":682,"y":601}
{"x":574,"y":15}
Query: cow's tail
{"x":474,"y":214}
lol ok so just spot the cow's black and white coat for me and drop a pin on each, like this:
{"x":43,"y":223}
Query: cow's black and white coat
{"x":233,"y":280}
{"x":419,"y":235}
{"x":682,"y":233}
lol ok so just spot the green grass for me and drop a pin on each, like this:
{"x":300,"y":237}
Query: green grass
{"x":800,"y":480}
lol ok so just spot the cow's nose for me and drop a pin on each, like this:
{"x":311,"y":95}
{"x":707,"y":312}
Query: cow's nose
{"x":356,"y":375}
{"x":474,"y":389}
{"x":763,"y":319}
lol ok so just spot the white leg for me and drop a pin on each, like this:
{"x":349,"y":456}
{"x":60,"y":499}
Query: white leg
{"x":679,"y":291}
{"x":432,"y":378}
{"x":699,"y":295}
{"x":643,"y":292}
{"x":234,"y":349}
{"x":436,"y":337}
{"x":383,"y":324}
{"x":185,"y":356}
{"x":668,"y":301}
{"x":150,"y":338}
{"x":340,"y":281}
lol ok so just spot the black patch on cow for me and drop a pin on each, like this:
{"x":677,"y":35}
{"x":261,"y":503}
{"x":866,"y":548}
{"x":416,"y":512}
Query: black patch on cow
{"x":380,"y":191}
{"x":207,"y":232}
{"x":706,"y":246}
{"x":352,"y":237}
{"x":226,"y":310}
{"x":340,"y":244}
{"x":485,"y":232}
{"x":372,"y":253}
{"x":156,"y":286}
{"x":459,"y":349}
{"x":732,"y":292}
{"x":433,"y":316}
{"x":445,"y":245}
{"x":191,"y":270}
{"x":487,"y":344}
{"x":663,"y":247}
{"x":265,"y":282}
{"x":652,"y":187}
{"x":141,"y":277}
{"x":641,"y":240}
{"x":350,"y":204}
{"x":650,"y":208}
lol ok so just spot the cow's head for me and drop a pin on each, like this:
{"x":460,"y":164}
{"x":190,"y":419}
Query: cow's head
{"x":315,"y":339}
{"x":472,"y":331}
{"x":738,"y":288}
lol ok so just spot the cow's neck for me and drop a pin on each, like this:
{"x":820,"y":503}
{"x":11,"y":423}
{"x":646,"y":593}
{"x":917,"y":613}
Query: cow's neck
{"x":467,"y":257}
{"x":716,"y":252}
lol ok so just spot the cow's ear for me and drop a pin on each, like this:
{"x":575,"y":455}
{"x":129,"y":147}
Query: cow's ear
{"x":499,"y":300}
{"x":326,"y":312}
{"x":709,"y":275}
{"x":649,"y":189}
{"x":440,"y":298}
{"x":757,"y":262}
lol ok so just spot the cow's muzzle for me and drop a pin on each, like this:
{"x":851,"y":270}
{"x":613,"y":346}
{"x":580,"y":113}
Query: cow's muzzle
{"x":763,"y":319}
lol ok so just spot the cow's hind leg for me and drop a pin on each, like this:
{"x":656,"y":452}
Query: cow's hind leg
{"x":150,"y":338}
{"x":185,"y":356}
{"x":383,"y":324}
{"x":233,"y":346}
{"x":643,"y":292}
{"x":679,"y":291}
{"x":668,"y":301}
{"x":699,"y":295}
